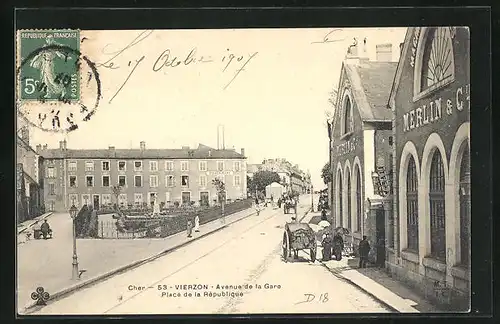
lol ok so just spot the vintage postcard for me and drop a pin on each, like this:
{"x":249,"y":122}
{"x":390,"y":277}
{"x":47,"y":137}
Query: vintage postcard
{"x":243,"y":171}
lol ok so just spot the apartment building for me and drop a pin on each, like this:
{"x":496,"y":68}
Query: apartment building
{"x":29,"y":178}
{"x":169,"y":176}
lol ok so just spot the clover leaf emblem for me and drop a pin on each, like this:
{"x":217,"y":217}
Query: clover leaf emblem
{"x":41,"y":296}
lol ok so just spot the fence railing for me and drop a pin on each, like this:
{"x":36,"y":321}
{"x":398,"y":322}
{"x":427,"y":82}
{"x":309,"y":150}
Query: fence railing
{"x":164,"y":225}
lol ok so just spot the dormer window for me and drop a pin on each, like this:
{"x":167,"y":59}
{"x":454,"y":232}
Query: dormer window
{"x":434,"y":64}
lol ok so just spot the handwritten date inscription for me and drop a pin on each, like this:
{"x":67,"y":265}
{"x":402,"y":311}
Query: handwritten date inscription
{"x":230,"y":63}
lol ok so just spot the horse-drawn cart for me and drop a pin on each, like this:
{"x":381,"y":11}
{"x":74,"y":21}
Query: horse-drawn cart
{"x":298,"y":236}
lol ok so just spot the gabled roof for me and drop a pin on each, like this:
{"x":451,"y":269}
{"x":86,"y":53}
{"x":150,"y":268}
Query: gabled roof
{"x":399,"y":69}
{"x":23,"y":143}
{"x":202,"y":152}
{"x":371,"y":85}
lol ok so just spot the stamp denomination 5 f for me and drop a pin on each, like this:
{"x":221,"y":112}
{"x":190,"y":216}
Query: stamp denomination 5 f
{"x":49,"y":73}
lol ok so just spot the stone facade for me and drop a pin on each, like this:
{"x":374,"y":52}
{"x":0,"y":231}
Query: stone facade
{"x":431,"y":157}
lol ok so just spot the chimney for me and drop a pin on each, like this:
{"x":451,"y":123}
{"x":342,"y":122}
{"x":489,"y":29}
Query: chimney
{"x":143,"y":146}
{"x":384,"y":52}
{"x":61,"y":145}
{"x":209,"y":153}
{"x":357,"y":51}
{"x":39,"y":148}
{"x":25,"y":134}
{"x":45,"y":147}
{"x":112,"y":151}
{"x":65,"y":144}
{"x":185,"y":147}
{"x":243,"y":151}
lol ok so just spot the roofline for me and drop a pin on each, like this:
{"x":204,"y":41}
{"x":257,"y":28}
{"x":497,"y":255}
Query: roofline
{"x":143,"y":158}
{"x":339,"y":95}
{"x":399,"y":68}
{"x":377,"y":121}
{"x":26,"y":145}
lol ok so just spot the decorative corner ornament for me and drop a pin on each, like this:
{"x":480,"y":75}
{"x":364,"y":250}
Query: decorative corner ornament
{"x":416,"y":36}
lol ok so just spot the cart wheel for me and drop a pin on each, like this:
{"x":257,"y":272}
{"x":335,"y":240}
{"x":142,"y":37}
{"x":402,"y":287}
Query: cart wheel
{"x":285,"y":246}
{"x":313,"y":255}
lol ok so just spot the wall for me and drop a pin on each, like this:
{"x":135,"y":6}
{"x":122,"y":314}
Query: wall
{"x":346,"y":149}
{"x":419,"y":270}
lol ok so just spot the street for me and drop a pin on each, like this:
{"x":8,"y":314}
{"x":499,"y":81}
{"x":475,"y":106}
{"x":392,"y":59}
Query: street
{"x":237,"y":270}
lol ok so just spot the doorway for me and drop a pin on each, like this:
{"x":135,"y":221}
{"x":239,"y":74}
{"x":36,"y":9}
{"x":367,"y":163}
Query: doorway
{"x":380,"y":236}
{"x":96,"y":202}
{"x":186,"y":198}
{"x":204,"y":198}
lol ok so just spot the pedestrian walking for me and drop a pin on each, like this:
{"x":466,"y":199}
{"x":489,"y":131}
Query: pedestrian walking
{"x":364,"y":249}
{"x":189,"y":228}
{"x":197,"y":223}
{"x":338,"y":246}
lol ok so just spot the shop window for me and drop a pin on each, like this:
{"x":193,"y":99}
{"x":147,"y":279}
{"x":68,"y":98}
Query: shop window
{"x":464,"y":196}
{"x":412,"y":205}
{"x":348,"y":183}
{"x":341,"y":218}
{"x":359,"y":203}
{"x":437,"y":205}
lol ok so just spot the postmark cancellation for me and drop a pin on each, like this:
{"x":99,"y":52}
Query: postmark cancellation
{"x":56,"y":85}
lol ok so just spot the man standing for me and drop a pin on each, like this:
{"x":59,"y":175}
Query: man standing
{"x":364,"y":249}
{"x":45,"y":228}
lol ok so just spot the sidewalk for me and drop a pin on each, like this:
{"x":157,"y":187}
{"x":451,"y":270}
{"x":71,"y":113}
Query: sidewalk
{"x":22,"y":227}
{"x":377,"y":283}
{"x":100,"y":258}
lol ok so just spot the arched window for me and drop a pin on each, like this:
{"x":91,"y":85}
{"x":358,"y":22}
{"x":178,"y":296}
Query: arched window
{"x":359,"y":211}
{"x":465,"y":210}
{"x":341,"y":219}
{"x":412,"y":205}
{"x":436,"y":203}
{"x":348,"y":183}
{"x":347,"y":115}
{"x":437,"y":59}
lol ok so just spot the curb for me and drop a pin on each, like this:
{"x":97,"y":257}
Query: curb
{"x":35,"y":222}
{"x":58,"y":295}
{"x":381,"y":301}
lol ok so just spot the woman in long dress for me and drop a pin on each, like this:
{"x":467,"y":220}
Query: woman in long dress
{"x":197,"y":223}
{"x":44,"y":61}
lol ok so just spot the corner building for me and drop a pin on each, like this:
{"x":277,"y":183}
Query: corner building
{"x":430,"y":99}
{"x":170,"y":176}
{"x":361,"y":138}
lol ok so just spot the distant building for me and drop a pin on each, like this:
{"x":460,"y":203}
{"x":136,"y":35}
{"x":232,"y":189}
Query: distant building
{"x":29,"y":173}
{"x":292,"y":178}
{"x":168,"y":175}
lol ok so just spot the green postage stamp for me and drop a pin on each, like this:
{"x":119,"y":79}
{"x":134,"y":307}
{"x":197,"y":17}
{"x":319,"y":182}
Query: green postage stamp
{"x":48,"y":67}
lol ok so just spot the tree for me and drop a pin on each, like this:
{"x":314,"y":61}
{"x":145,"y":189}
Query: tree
{"x":326,"y":173}
{"x":117,"y":189}
{"x":220,"y":187}
{"x":262,"y":179}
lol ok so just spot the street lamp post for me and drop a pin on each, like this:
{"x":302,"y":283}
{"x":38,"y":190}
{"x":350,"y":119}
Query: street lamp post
{"x":72,"y":212}
{"x":312,"y":198}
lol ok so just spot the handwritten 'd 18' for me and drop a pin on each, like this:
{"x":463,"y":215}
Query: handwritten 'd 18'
{"x":323,"y":298}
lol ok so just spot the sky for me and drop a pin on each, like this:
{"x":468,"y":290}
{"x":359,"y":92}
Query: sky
{"x":268,"y":87}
